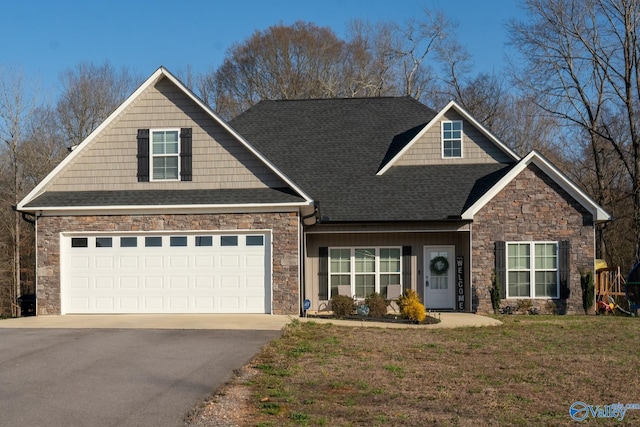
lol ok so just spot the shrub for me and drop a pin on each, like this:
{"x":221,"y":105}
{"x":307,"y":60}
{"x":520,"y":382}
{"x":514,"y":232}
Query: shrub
{"x":342,"y":305}
{"x":411,"y":307}
{"x":495,"y":293}
{"x":588,"y":292}
{"x":414,"y":311}
{"x":377,"y":305}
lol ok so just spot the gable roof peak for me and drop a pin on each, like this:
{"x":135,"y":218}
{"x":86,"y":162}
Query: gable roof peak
{"x":161,"y":72}
{"x":436,"y":119}
{"x":534,"y":157}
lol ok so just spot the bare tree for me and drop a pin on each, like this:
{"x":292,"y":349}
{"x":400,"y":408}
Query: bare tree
{"x":16,"y":112}
{"x":374,"y":55}
{"x":89,"y":94}
{"x":583,"y":55}
{"x":282,"y":62}
{"x":307,"y":61}
{"x":431,"y":36}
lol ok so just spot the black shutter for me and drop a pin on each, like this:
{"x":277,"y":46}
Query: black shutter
{"x":564,"y":254}
{"x":185,"y":154}
{"x":323,"y":273}
{"x":501,"y":267}
{"x":143,"y":155}
{"x":406,"y":267}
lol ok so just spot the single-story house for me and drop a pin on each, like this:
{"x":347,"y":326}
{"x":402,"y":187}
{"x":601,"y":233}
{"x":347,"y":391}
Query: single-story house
{"x":166,"y":208}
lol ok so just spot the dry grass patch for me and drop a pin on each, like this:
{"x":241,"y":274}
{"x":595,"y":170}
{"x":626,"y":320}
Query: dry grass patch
{"x":526,"y":372}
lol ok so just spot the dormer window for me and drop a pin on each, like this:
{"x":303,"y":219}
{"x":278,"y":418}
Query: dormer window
{"x":452,"y":139}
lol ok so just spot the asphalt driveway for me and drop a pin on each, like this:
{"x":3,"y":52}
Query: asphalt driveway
{"x":116,"y":377}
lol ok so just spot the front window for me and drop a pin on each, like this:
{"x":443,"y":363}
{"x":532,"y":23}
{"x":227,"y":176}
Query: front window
{"x":364,"y":270}
{"x":532,"y":270}
{"x":165,"y":154}
{"x":452,"y":139}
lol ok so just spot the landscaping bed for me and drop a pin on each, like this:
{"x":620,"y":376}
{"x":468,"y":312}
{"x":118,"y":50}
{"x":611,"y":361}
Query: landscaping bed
{"x":390,"y":318}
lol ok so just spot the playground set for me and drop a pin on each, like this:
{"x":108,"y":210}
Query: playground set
{"x":612,"y":289}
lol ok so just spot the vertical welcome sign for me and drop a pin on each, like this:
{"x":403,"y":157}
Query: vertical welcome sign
{"x":460,"y":283}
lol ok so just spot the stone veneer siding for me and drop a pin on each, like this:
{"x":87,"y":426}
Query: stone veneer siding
{"x":532,"y":207}
{"x":284,"y":227}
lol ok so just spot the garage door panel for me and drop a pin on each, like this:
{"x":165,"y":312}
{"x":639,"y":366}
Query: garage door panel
{"x":229,"y":282}
{"x":204,"y":303}
{"x":204,"y":282}
{"x":80,"y":262}
{"x":153,"y":303}
{"x":79,"y":303}
{"x":255,"y":282}
{"x":181,"y":261}
{"x":179,"y":303}
{"x":128,"y":261}
{"x":151,"y":282}
{"x":229,"y":303}
{"x":80,"y":283}
{"x":254,"y":303}
{"x":153,"y":261}
{"x":128,"y":304}
{"x":229,"y":261}
{"x":129,"y":282}
{"x":255,"y":261}
{"x":104,"y":262}
{"x":105,"y":304}
{"x":224,"y":273}
{"x":104,"y":282}
{"x":179,"y":282}
{"x":202,"y":261}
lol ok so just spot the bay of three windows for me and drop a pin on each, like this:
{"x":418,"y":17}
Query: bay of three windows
{"x":365,"y":270}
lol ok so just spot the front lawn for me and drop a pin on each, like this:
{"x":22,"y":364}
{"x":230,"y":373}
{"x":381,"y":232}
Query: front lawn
{"x":527,"y":372}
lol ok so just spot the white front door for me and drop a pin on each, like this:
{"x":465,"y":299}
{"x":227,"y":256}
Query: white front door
{"x":439,"y":266}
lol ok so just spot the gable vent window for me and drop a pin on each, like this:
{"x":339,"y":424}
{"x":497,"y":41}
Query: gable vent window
{"x":452,"y":139}
{"x":164,"y":155}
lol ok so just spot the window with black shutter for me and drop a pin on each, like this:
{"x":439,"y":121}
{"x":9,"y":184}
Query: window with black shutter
{"x":323,"y":273}
{"x":165,"y":155}
{"x":143,"y":155}
{"x":501,"y":270}
{"x":185,"y":154}
{"x":406,"y":267}
{"x":564,"y":249}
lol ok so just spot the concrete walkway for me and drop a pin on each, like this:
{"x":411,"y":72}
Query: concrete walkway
{"x":220,"y":321}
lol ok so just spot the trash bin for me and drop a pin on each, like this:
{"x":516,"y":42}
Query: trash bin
{"x":27,"y":305}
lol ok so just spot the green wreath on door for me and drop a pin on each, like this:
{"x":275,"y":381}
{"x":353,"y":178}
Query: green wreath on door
{"x":439,"y":265}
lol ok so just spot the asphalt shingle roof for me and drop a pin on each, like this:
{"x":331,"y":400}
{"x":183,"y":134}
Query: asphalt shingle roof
{"x":333,"y":148}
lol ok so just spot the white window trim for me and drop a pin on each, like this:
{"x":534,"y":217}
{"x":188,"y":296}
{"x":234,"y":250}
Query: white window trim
{"x":152,"y":156}
{"x":442,"y":139}
{"x":352,"y":260}
{"x":532,"y":270}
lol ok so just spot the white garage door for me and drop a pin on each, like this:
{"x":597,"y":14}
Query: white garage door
{"x":168,"y":273}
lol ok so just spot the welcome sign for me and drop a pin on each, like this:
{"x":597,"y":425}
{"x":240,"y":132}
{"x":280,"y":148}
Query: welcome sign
{"x":460,"y":283}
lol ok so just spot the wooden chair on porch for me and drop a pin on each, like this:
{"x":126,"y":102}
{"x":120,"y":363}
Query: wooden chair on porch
{"x":344,"y":290}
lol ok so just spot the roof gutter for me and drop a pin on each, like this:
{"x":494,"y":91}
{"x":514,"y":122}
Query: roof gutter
{"x":171,"y":209}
